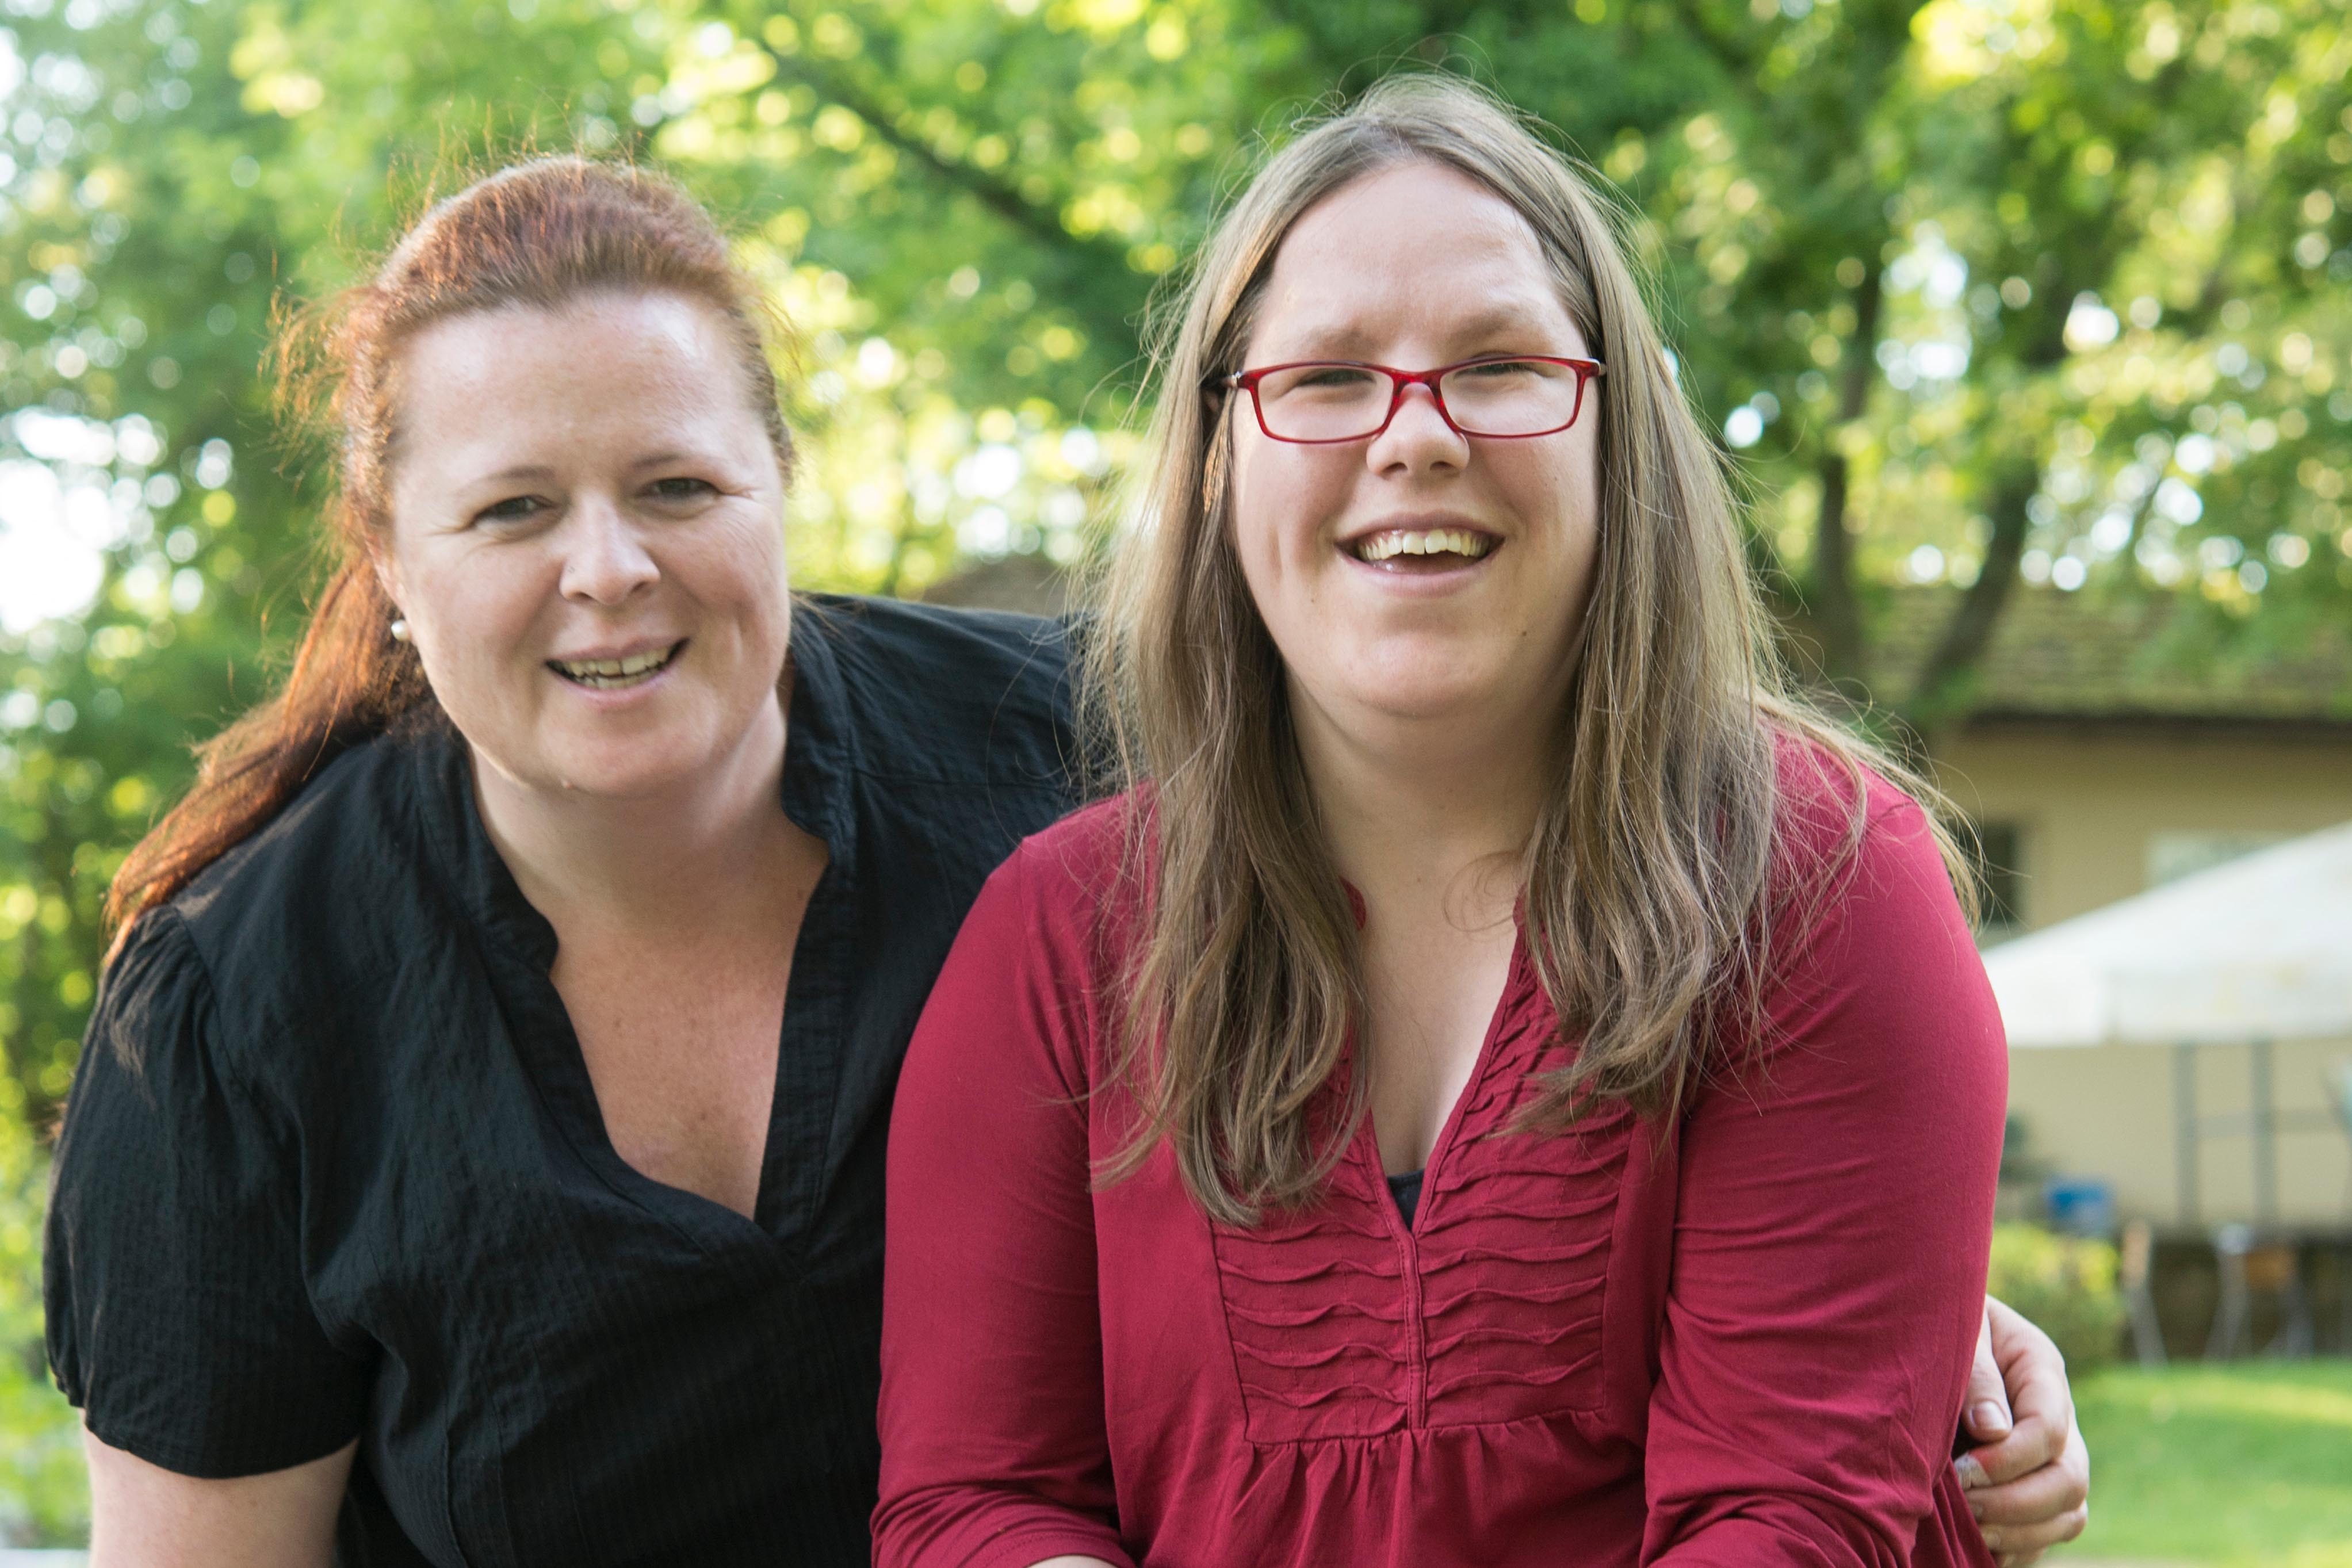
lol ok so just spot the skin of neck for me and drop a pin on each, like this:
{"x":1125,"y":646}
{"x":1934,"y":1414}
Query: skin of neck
{"x":672,"y":861}
{"x":1430,"y":814}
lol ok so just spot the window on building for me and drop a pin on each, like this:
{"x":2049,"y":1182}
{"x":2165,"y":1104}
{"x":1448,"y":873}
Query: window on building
{"x":2174,"y":855}
{"x":1997,"y":856}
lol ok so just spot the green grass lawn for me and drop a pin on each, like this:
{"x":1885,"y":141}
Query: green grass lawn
{"x":2248,"y":1465}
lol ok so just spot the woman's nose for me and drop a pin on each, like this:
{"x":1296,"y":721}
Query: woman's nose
{"x":1419,"y":436}
{"x":604,"y":562}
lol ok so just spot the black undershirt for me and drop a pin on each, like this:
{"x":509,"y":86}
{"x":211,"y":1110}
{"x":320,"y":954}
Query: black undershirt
{"x":1406,"y":1190}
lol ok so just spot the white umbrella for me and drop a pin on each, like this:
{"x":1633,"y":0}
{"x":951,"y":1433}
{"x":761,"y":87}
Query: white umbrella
{"x":2249,"y":953}
{"x":2258,"y":948}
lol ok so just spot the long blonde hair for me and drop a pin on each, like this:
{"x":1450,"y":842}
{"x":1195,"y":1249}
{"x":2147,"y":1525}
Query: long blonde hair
{"x":1656,"y":869}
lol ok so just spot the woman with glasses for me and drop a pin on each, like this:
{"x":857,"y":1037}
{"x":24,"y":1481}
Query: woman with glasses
{"x":1502,"y":1055}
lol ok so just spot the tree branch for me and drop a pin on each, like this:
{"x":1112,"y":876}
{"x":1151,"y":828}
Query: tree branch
{"x":1039,"y":221}
{"x":1737,"y":62}
{"x":1940,"y":695}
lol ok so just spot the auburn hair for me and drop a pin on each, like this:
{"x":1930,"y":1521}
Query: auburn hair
{"x":1652,"y":878}
{"x":538,"y":233}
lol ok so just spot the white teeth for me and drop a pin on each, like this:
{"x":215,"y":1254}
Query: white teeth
{"x":611,"y":672}
{"x":1435,"y":541}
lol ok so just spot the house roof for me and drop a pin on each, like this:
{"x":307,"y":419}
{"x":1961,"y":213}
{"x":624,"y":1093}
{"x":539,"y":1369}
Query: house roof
{"x":2054,"y":656}
{"x":2173,"y":658}
{"x":1029,"y":584}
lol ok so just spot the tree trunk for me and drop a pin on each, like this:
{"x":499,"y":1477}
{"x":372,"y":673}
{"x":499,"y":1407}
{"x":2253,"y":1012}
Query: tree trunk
{"x":1940,"y":696}
{"x":1836,"y":615}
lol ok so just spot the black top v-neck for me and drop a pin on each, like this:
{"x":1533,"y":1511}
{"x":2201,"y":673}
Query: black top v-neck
{"x":334,"y":1168}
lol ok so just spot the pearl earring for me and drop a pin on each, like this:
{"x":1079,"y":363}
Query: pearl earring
{"x":400,"y":631}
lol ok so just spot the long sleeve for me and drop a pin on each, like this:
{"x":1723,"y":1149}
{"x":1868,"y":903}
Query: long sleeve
{"x":1835,"y":1213}
{"x":994,"y":1450}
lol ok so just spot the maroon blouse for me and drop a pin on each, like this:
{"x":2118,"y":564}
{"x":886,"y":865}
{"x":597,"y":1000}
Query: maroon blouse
{"x":1743,"y":1344}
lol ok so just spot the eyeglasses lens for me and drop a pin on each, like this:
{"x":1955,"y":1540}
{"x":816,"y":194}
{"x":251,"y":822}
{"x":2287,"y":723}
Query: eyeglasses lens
{"x":1345,"y":402}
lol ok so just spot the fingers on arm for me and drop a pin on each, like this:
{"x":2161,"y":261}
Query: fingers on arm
{"x":2046,"y":1505}
{"x":2019,"y":1546}
{"x":145,"y":1516}
{"x":1986,"y":1408}
{"x":2033,"y":1370}
{"x":2039,"y":1494}
{"x":2045,"y":1432}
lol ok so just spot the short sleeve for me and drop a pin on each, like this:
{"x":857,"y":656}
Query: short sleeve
{"x":179,"y":1318}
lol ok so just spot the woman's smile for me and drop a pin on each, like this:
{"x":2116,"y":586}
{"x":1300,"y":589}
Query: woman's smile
{"x":1422,"y":547}
{"x":620,"y":671}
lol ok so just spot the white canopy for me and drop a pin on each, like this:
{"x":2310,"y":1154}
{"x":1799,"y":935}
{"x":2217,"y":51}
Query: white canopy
{"x":2260,"y":948}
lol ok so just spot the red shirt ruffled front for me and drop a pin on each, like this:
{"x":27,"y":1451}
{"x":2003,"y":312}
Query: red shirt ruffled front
{"x":1743,"y":1344}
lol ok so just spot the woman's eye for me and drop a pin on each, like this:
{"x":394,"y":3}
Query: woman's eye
{"x":681,"y":488}
{"x":514,"y":508}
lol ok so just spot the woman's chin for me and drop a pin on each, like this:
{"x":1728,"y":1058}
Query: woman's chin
{"x":1424,"y":684}
{"x":1420,"y":703}
{"x":645,"y":767}
{"x":672,"y":744}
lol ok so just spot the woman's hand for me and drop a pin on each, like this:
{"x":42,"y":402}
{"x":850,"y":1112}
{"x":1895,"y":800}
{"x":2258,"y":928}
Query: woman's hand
{"x":2030,"y":1485}
{"x":145,"y":1516}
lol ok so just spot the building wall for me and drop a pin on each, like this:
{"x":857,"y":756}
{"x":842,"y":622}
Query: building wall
{"x":2109,"y":1112}
{"x":2090,"y":807}
{"x":2097,"y":814}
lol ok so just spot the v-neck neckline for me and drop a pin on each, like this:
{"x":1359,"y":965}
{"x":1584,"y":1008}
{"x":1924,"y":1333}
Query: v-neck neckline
{"x":1364,"y":1148}
{"x":815,"y":796}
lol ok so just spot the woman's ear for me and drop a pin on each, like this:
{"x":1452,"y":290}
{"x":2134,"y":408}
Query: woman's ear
{"x":387,"y":574}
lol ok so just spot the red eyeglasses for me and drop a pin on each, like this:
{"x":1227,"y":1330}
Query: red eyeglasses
{"x":1506,"y":396}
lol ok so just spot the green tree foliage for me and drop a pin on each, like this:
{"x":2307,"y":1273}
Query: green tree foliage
{"x":1984,"y":293}
{"x":43,"y":1494}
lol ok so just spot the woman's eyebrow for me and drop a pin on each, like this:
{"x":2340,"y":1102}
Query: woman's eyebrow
{"x":1349,"y":339}
{"x":520,"y":474}
{"x":1494,"y":321}
{"x":1333,"y":339}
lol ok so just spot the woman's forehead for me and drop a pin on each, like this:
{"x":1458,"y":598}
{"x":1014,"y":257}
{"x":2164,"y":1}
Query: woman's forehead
{"x":1419,"y":246}
{"x":647,"y":329}
{"x":648,"y":352}
{"x":603,"y":376}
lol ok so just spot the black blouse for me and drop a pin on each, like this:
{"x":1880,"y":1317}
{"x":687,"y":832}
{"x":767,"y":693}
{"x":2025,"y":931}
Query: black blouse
{"x":333,"y":1167}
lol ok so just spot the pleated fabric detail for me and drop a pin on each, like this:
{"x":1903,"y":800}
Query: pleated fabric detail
{"x":1346,"y":1324}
